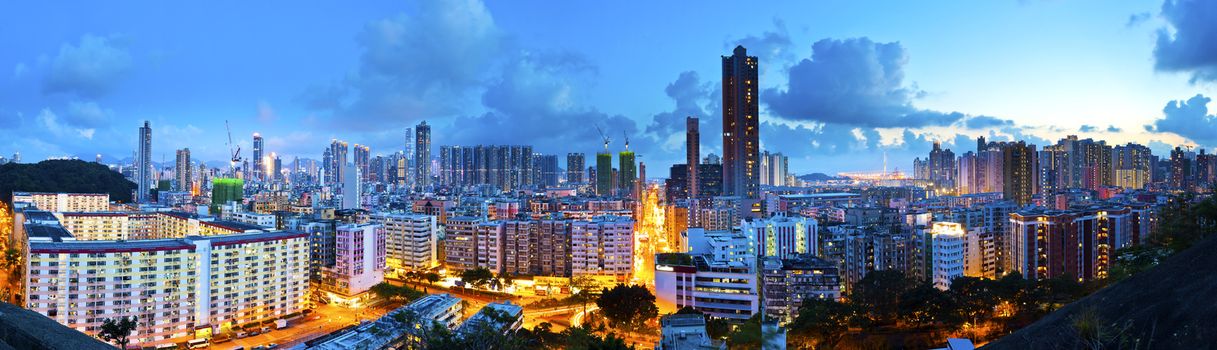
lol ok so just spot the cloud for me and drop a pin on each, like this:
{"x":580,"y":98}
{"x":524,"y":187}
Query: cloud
{"x":1189,"y":119}
{"x":692,"y":97}
{"x":50,"y":121}
{"x":87,"y":114}
{"x":770,"y":46}
{"x":1136,"y":19}
{"x":19,"y":70}
{"x":985,"y":122}
{"x":414,"y":66}
{"x":1087,"y":128}
{"x":1190,"y":43}
{"x":1113,"y":129}
{"x":266,"y":114}
{"x":535,"y":101}
{"x":853,"y":82}
{"x":90,"y":68}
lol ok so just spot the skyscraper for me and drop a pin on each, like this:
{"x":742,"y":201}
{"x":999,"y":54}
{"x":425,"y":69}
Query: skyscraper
{"x":422,"y":155}
{"x":741,"y":125}
{"x":406,"y":168}
{"x":362,"y":157}
{"x":1018,"y":165}
{"x":692,"y":153}
{"x":335,"y":168}
{"x":183,"y":170}
{"x":604,"y":173}
{"x":143,"y":164}
{"x":259,"y":170}
{"x":629,"y":170}
{"x":574,"y":168}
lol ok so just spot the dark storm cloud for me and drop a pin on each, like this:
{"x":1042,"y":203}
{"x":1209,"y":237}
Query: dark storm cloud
{"x":1190,"y":45}
{"x":1190,"y":119}
{"x":854,"y":82}
{"x":691,"y":96}
{"x":89,"y":68}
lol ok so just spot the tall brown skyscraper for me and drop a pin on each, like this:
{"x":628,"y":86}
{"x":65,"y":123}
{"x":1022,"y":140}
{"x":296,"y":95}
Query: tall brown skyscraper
{"x":692,"y":153}
{"x":741,"y":125}
{"x":1018,"y":166}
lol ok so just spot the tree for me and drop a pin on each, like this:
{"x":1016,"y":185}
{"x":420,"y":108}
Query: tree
{"x":974,"y":297}
{"x":823,"y":321}
{"x":117,"y":330}
{"x":431,"y":277}
{"x":478,"y":277}
{"x":879,"y":293}
{"x":11,"y":257}
{"x":627,"y":306}
{"x":925,"y":305}
{"x":388,"y":291}
{"x":579,"y":338}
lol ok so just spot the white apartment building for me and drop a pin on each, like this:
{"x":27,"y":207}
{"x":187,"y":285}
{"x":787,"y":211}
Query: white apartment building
{"x":783,"y":236}
{"x":359,"y":263}
{"x":58,"y":202}
{"x":177,"y":287}
{"x":947,"y":252}
{"x":603,"y":246}
{"x":411,"y":240}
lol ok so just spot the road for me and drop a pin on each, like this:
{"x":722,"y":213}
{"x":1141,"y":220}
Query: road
{"x":325,"y":319}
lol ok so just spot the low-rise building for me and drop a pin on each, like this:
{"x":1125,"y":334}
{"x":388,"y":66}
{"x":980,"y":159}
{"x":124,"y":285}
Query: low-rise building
{"x":686,"y":331}
{"x":720,"y":288}
{"x":359,"y":263}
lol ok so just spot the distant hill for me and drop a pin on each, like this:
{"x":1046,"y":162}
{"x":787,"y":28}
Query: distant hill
{"x":1169,"y":306}
{"x":819,"y":177}
{"x":73,"y":176}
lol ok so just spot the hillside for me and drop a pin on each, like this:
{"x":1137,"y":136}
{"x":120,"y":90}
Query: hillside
{"x":72,"y":176}
{"x":1167,"y":307}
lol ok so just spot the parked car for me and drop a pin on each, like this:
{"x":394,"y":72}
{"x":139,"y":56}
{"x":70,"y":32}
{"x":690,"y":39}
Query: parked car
{"x":272,"y":346}
{"x":242,"y":334}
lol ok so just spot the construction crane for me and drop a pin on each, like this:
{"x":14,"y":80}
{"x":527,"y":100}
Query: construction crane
{"x":603,"y":136}
{"x":626,"y":135}
{"x":236,"y":152}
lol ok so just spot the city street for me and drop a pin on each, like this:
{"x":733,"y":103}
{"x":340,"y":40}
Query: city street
{"x":325,"y":319}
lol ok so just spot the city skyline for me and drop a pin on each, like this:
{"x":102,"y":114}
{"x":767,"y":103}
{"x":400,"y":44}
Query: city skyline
{"x":80,"y":89}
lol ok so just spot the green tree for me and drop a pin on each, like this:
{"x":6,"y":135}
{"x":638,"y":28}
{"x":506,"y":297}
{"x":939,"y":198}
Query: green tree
{"x":879,"y":294}
{"x":974,"y":297}
{"x":117,"y":330}
{"x":822,"y":322}
{"x":926,"y":305}
{"x":627,"y":306}
{"x":431,"y":277}
{"x":478,"y":277}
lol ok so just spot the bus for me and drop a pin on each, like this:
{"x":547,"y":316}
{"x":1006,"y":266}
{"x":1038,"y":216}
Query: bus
{"x":197,"y":344}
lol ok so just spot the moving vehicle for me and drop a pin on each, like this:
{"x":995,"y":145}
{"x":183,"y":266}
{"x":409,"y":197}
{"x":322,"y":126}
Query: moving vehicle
{"x":197,"y":344}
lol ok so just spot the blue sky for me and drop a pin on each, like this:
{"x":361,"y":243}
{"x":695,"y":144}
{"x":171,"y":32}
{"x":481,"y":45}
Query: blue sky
{"x":844,"y":82}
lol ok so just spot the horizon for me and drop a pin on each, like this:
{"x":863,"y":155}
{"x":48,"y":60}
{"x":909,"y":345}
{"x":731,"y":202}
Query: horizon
{"x":842,"y":86}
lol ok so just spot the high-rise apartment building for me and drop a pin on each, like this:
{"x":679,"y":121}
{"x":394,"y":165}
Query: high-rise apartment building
{"x":506,"y":168}
{"x":259,"y":169}
{"x":774,"y":168}
{"x":575,"y":164}
{"x":362,"y":159}
{"x":545,"y":170}
{"x":628,"y":171}
{"x":422,"y":155}
{"x":783,"y":236}
{"x":182,"y":171}
{"x":411,"y":240}
{"x":741,"y":125}
{"x":143,"y":164}
{"x":359,"y":263}
{"x":335,"y":165}
{"x":603,"y":246}
{"x":947,"y":253}
{"x":788,"y":282}
{"x":604,"y":173}
{"x":692,"y":154}
{"x":1018,"y":166}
